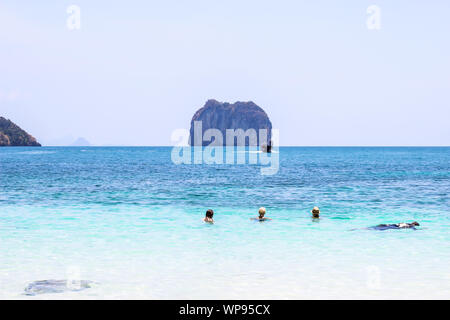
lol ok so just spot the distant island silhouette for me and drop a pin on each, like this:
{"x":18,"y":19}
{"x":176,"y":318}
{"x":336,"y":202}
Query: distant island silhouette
{"x":81,"y":142}
{"x":11,"y":135}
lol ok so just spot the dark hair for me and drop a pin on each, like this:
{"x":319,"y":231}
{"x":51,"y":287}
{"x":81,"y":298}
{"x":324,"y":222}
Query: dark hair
{"x":209,"y":213}
{"x":415,"y":223}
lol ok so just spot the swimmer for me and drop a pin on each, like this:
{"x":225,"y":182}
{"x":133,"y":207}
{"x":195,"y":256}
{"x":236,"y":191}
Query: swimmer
{"x":262,"y":212}
{"x":209,"y":216}
{"x":315,"y":212}
{"x":402,"y":225}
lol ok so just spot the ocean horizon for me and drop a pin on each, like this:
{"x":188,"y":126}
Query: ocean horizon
{"x":129,"y":221}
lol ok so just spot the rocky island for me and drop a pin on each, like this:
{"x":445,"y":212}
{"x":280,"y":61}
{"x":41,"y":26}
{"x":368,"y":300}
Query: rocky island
{"x":12,"y":135}
{"x":224,"y":115}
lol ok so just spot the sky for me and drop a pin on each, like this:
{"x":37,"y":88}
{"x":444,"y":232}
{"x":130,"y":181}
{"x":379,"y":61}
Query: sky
{"x":136,"y":71}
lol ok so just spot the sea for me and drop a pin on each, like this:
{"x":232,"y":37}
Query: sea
{"x":128,"y":221}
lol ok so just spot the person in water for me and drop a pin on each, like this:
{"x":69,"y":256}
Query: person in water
{"x":402,"y":225}
{"x":315,"y":212}
{"x":209,"y":216}
{"x":262,"y":213}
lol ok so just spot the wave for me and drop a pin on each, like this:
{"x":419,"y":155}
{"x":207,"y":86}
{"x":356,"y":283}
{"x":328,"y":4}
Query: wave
{"x":36,"y":152}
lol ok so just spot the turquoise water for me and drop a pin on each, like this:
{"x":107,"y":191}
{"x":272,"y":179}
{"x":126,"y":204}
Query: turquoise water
{"x":130,"y":220}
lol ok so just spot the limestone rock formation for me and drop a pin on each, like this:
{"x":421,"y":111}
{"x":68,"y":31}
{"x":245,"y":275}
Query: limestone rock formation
{"x":223,"y":116}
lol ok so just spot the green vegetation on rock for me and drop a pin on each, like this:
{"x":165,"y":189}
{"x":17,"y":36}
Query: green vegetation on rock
{"x":12,"y":135}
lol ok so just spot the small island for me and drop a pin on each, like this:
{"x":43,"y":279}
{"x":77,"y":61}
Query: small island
{"x":238,"y":115}
{"x":11,"y":135}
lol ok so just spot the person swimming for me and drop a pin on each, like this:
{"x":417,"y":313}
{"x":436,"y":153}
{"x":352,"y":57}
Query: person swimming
{"x":262,"y":212}
{"x":315,"y":212}
{"x":401,"y":225}
{"x":209,"y":216}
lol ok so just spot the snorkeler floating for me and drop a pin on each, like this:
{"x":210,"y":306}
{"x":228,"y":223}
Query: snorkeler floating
{"x":401,"y":225}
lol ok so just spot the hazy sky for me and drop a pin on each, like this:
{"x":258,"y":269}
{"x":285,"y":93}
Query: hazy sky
{"x":137,"y":70}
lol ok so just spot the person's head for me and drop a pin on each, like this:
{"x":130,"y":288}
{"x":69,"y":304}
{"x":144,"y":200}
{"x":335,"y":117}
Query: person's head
{"x":262,"y":212}
{"x":209,"y":214}
{"x":315,"y":212}
{"x":415,"y":223}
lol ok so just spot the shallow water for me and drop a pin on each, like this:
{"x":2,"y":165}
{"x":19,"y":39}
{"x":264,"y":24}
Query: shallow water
{"x":129,"y":220}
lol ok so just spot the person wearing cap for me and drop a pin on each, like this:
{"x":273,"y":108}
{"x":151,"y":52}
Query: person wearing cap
{"x":261,"y":217}
{"x":209,"y":216}
{"x":315,"y":212}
